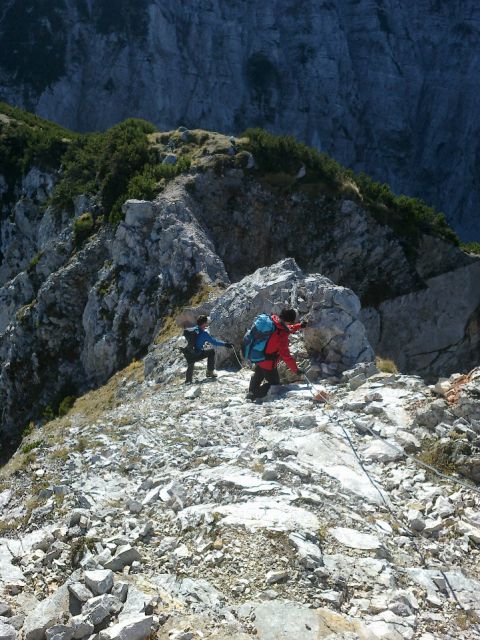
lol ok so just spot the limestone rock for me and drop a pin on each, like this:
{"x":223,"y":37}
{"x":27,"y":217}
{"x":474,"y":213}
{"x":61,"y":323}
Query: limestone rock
{"x":138,"y":628}
{"x":47,"y":613}
{"x":97,"y":609}
{"x":355,"y":539}
{"x":59,"y":632}
{"x":99,"y":581}
{"x":125,"y":555}
{"x":334,"y":333}
{"x":7,"y":632}
{"x":276,"y":619}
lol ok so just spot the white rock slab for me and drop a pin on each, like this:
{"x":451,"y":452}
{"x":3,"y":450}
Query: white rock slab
{"x":7,"y":632}
{"x":137,"y":628}
{"x":355,"y":540}
{"x":393,"y":403}
{"x":361,"y":570}
{"x":330,"y":453}
{"x":242,"y":478}
{"x":466,"y":589}
{"x":10,"y":572}
{"x":268,"y":513}
{"x":382,"y":452}
{"x":292,"y":621}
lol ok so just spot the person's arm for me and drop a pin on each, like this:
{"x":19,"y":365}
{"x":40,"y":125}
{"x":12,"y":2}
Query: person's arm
{"x":214,"y":341}
{"x":293,"y":328}
{"x":285,"y":355}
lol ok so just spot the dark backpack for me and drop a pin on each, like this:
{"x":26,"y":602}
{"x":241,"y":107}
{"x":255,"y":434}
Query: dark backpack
{"x":256,"y":338}
{"x":190,"y":334}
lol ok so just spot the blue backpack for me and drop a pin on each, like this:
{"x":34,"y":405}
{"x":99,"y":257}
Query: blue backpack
{"x":256,"y":338}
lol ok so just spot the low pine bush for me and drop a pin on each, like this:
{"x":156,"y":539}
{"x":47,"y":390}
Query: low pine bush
{"x":82,"y":227}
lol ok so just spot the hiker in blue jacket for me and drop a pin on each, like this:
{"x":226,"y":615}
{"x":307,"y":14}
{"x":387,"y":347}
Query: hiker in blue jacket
{"x":197,"y":337}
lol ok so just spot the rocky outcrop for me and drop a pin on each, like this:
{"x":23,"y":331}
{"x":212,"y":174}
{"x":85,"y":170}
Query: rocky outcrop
{"x":100,"y":308}
{"x":445,"y":336}
{"x":158,"y":250}
{"x":335,"y":338}
{"x":356,"y":80}
{"x":420,"y":310}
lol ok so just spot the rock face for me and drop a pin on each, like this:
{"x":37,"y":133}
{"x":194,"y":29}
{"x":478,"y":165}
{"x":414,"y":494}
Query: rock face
{"x":100,"y":306}
{"x":356,"y":80}
{"x":447,"y":312}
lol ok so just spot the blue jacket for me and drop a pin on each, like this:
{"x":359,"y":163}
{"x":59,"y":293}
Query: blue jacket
{"x":203,"y":337}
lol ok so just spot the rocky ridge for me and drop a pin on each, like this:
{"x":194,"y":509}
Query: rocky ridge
{"x":72,"y":315}
{"x":188,"y":513}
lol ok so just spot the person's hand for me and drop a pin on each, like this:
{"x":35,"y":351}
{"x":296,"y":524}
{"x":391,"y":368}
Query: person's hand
{"x":301,"y":372}
{"x":229,"y":345}
{"x":303,"y":324}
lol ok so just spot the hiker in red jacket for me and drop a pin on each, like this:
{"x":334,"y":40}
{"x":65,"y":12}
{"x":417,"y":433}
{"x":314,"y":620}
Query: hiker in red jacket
{"x":276,"y":350}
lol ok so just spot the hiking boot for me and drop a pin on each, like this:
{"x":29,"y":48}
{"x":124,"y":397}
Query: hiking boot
{"x":250,"y":396}
{"x":211,"y":374}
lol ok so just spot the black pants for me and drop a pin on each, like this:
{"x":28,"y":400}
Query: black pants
{"x":192,"y":357}
{"x":256,"y":387}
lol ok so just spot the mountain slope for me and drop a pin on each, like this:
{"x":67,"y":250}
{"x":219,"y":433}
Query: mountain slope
{"x":386,"y":89}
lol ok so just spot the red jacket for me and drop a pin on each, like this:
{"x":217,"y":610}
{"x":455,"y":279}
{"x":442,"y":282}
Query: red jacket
{"x":278,"y":344}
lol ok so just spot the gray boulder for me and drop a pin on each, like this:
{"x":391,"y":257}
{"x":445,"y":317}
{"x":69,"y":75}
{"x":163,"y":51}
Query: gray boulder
{"x":137,"y":628}
{"x":98,"y":609}
{"x":59,"y":632}
{"x":49,"y":612}
{"x":100,"y":581}
{"x":125,"y":555}
{"x":81,"y":627}
{"x":7,"y":632}
{"x":334,"y":335}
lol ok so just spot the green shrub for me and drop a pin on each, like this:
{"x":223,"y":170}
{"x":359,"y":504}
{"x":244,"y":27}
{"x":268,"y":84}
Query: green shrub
{"x":143,"y":186}
{"x":65,"y":405}
{"x":82,"y":227}
{"x":82,"y":444}
{"x":283,"y":153}
{"x":471,"y":247}
{"x":438,"y":454}
{"x":31,"y":445}
{"x":104,"y":163}
{"x":27,"y":140}
{"x":48,"y":413}
{"x":408,"y":217}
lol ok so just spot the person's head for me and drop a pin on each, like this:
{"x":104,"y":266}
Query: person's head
{"x":288,"y":315}
{"x":202,"y":321}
